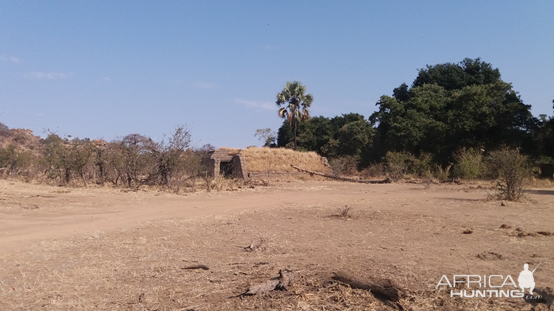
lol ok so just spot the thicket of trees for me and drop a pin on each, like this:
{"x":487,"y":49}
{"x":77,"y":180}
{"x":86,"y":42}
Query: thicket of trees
{"x":455,"y":115}
{"x":450,"y":111}
{"x":131,"y":161}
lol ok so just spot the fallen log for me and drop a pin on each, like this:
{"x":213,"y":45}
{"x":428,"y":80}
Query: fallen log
{"x":383,"y":289}
{"x":384,"y":181}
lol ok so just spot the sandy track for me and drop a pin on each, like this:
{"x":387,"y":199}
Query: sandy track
{"x":80,"y":211}
{"x":111,"y":250}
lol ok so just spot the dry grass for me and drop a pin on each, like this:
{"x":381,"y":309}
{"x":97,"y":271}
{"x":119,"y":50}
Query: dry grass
{"x":539,"y":183}
{"x":231,"y":151}
{"x":279,"y":160}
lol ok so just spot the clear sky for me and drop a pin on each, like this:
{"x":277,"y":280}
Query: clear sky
{"x":105,"y":69}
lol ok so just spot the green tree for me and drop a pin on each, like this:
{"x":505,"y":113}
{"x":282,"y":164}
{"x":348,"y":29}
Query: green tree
{"x":449,"y":107}
{"x":284,"y":134}
{"x":134,"y":157}
{"x":56,"y":158}
{"x":456,"y":76}
{"x":354,"y":136}
{"x":79,"y":152}
{"x":296,"y":103}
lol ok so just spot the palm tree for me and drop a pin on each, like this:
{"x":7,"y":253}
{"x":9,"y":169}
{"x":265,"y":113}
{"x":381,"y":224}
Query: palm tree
{"x":296,"y":103}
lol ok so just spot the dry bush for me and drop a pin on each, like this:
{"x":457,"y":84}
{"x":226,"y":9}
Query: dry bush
{"x":344,"y":212}
{"x":421,"y":166}
{"x":374,"y":170}
{"x":441,"y":173}
{"x":539,"y":183}
{"x":510,"y":169}
{"x":220,"y":182}
{"x":337,"y":166}
{"x":469,"y":164}
{"x":427,"y":180}
{"x":400,"y":163}
{"x":207,"y":181}
{"x":397,"y":164}
{"x":15,"y":160}
{"x":346,"y":165}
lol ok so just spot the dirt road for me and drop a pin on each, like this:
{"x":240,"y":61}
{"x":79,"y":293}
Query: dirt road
{"x":107,"y":249}
{"x":32,"y":213}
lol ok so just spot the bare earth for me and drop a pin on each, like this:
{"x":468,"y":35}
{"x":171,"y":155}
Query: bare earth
{"x":78,"y":249}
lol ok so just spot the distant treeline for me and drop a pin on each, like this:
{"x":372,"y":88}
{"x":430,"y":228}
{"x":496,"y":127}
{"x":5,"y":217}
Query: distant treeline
{"x":131,"y":161}
{"x":460,"y":116}
{"x":448,"y":109}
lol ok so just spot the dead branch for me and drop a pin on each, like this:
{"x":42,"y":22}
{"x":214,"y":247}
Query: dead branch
{"x":203,"y":267}
{"x":383,"y":289}
{"x":384,"y":181}
{"x":280,"y":282}
{"x":253,"y":246}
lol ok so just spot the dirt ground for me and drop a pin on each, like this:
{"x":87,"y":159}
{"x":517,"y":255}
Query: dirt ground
{"x":108,"y":249}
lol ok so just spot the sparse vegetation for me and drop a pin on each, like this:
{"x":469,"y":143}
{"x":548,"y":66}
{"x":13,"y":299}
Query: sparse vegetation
{"x":469,"y":164}
{"x":344,"y":212}
{"x":510,"y":169}
{"x":397,"y":164}
{"x":132,"y":161}
{"x":374,"y":170}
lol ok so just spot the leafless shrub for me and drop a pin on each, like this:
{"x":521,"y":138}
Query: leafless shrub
{"x":427,"y":180}
{"x":344,"y":212}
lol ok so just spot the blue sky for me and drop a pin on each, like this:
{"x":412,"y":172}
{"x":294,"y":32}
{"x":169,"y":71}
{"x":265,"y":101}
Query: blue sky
{"x":104,"y":69}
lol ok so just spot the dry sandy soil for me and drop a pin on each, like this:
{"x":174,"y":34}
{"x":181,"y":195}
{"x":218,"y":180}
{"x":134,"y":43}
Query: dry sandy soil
{"x":105,"y":249}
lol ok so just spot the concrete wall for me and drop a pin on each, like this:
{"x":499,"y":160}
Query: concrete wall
{"x":239,"y":167}
{"x":213,"y":163}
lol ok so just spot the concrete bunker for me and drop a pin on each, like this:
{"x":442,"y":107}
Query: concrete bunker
{"x":225,"y":162}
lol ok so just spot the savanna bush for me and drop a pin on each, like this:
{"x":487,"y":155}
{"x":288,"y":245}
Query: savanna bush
{"x":397,"y":164}
{"x":469,"y":164}
{"x":374,"y":170}
{"x":345,"y":165}
{"x":510,"y":169}
{"x":15,"y":161}
{"x":400,"y":163}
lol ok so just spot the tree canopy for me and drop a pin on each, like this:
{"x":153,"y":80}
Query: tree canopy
{"x":451,"y":106}
{"x":296,"y":103}
{"x":448,"y":107}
